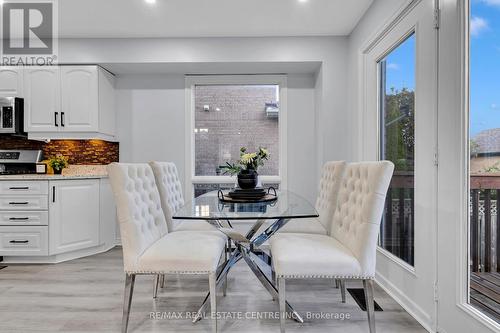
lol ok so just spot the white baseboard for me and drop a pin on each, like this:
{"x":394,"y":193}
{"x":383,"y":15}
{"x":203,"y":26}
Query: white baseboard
{"x":413,"y":309}
{"x":58,"y":258}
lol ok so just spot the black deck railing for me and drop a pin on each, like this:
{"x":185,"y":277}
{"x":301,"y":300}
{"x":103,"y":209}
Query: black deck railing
{"x":484,"y":223}
{"x":397,"y":229}
{"x":485,"y":243}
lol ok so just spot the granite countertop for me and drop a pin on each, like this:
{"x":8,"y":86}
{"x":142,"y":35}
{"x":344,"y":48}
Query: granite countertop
{"x":71,"y":172}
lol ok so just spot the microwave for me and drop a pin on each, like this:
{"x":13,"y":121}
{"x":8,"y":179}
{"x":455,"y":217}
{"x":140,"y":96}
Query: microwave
{"x":12,"y":116}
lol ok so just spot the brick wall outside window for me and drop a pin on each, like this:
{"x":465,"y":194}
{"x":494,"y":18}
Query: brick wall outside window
{"x":237,"y":118}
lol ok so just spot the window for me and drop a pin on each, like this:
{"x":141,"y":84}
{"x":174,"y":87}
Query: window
{"x":230,"y":112}
{"x":397,"y":144}
{"x":484,"y":165}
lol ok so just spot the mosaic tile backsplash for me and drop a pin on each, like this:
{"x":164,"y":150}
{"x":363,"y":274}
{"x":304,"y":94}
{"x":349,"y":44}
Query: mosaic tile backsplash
{"x":78,"y":152}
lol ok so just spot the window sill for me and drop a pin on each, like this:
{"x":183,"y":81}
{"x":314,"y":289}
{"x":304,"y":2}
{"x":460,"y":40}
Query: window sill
{"x":397,"y":261}
{"x":230,"y":179}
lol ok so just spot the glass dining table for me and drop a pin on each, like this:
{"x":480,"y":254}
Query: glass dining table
{"x":248,"y":246}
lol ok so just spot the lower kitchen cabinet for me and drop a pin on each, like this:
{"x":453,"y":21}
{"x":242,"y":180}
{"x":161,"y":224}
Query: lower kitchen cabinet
{"x":25,"y":241}
{"x":73,"y":214}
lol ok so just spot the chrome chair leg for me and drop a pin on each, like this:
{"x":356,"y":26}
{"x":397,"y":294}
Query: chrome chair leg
{"x":282,"y":300}
{"x":162,"y":281}
{"x":156,"y":284}
{"x":226,"y":256}
{"x":273,"y":274}
{"x":342,"y":290}
{"x":212,"y":279}
{"x":127,"y":300}
{"x":337,"y":284}
{"x":370,"y":305}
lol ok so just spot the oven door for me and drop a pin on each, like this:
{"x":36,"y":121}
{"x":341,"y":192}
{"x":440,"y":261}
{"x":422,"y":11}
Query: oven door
{"x":7,"y":115}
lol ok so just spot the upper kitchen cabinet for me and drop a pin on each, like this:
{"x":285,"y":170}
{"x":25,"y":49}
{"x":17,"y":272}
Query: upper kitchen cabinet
{"x":42,"y":99}
{"x":86,"y":100}
{"x":11,"y":82}
{"x":80,"y":105}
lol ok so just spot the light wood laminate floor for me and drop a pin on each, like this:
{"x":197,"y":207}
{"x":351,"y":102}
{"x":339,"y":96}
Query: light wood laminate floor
{"x":86,"y":295}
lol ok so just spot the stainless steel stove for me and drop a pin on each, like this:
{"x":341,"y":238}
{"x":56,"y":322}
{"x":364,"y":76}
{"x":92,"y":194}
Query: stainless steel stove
{"x":16,"y":162}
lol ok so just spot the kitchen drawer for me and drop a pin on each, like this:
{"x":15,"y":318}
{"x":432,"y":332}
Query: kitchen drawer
{"x":24,"y":218}
{"x":24,"y":241}
{"x":24,"y":187}
{"x":23,"y":202}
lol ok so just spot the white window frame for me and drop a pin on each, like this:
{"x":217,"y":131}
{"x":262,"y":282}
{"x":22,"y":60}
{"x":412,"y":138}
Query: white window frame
{"x":190,"y":82}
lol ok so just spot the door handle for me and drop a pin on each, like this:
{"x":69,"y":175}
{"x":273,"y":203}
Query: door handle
{"x":19,"y":241}
{"x":56,"y":115}
{"x":19,"y":188}
{"x":53,"y":194}
{"x":18,"y":218}
{"x":62,"y":119}
{"x":18,"y":203}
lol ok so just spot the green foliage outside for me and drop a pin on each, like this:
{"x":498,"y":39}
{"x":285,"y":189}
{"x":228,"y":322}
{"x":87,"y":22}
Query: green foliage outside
{"x":399,"y":125}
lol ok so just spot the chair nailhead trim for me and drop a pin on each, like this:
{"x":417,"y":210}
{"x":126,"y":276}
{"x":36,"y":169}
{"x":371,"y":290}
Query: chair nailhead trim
{"x":170,"y":272}
{"x":354,"y":277}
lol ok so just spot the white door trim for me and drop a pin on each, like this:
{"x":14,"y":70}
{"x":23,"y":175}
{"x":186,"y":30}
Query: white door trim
{"x":412,"y":287}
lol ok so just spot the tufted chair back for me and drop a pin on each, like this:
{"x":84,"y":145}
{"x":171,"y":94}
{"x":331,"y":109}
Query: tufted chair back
{"x":170,"y":188}
{"x":356,"y":222}
{"x":329,"y":185}
{"x":139,"y":211}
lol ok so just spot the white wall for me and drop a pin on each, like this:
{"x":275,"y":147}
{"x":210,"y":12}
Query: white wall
{"x":332,"y":121}
{"x":151,"y":124}
{"x":331,"y":52}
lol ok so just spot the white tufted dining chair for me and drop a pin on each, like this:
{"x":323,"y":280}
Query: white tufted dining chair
{"x":148,"y":247}
{"x":326,"y":202}
{"x":329,"y":184}
{"x":349,"y":252}
{"x":170,"y":189}
{"x":171,"y":198}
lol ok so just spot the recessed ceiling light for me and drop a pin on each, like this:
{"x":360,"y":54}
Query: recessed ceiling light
{"x":150,"y":1}
{"x":303,"y":1}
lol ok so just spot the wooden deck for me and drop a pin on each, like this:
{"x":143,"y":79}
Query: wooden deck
{"x":485,"y":293}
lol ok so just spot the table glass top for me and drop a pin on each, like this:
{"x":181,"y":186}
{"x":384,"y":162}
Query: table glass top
{"x":209,"y":207}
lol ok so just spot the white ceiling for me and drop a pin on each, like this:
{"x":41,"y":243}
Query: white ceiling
{"x":208,"y":18}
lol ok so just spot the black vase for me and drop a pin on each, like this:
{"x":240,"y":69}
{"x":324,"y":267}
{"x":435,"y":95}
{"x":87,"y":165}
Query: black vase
{"x":247,"y":179}
{"x":57,"y":171}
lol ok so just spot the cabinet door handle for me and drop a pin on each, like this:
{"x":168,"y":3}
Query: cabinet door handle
{"x":53,"y":194}
{"x":18,"y":218}
{"x":62,"y":119}
{"x":56,"y":115}
{"x":18,"y":203}
{"x":19,"y":188}
{"x":19,"y":241}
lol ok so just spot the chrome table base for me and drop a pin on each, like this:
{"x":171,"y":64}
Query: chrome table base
{"x":248,"y":250}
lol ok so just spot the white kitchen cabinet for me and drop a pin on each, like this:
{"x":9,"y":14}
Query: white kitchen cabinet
{"x":25,"y":241}
{"x":76,"y":102}
{"x":42,"y":99}
{"x":106,"y":102}
{"x":73,"y":215}
{"x":79,"y":91}
{"x":11,"y":81}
